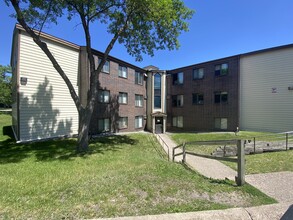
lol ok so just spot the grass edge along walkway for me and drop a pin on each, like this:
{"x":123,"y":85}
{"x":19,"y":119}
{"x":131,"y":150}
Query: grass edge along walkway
{"x":207,"y":167}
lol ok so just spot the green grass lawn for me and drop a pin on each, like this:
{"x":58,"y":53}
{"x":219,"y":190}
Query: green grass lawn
{"x":122,"y":176}
{"x":256,"y":163}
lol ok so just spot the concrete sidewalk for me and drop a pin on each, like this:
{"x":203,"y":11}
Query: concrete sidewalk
{"x":207,"y":167}
{"x":271,"y":212}
{"x":276,"y":185}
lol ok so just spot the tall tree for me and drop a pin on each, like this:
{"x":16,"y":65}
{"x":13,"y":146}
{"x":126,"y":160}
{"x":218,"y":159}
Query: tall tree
{"x":142,"y":26}
{"x":5,"y":85}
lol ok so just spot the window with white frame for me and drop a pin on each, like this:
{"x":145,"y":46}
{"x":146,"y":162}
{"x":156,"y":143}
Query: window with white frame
{"x":123,"y":122}
{"x":157,"y":91}
{"x":178,"y":78}
{"x":106,"y":67}
{"x":138,"y":121}
{"x":138,"y":78}
{"x":104,"y":96}
{"x":138,"y":100}
{"x":221,"y":123}
{"x":221,"y":97}
{"x":198,"y":73}
{"x":197,"y":99}
{"x":122,"y":72}
{"x":104,"y":125}
{"x":123,"y":98}
{"x":221,"y":69}
{"x":177,"y":121}
{"x":177,"y":100}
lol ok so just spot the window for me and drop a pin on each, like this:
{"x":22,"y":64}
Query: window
{"x":104,"y":125}
{"x":221,"y":69}
{"x":198,"y":73}
{"x":177,"y":100}
{"x":157,"y":91}
{"x":221,"y":97}
{"x":138,"y":100}
{"x":106,"y":67}
{"x":123,"y":98}
{"x":197,"y":99}
{"x":123,"y":122}
{"x":138,"y":78}
{"x":104,"y":96}
{"x":177,"y":121}
{"x":138,"y":121}
{"x":122,"y":71}
{"x":221,"y":123}
{"x":178,"y":78}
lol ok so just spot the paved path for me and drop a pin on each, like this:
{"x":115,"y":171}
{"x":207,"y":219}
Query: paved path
{"x":266,"y":212}
{"x":277,"y":185}
{"x":207,"y":167}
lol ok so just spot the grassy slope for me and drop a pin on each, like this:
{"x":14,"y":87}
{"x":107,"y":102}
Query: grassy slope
{"x":124,"y":175}
{"x":257,"y":163}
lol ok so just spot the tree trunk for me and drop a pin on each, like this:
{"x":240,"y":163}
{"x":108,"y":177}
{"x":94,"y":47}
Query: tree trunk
{"x":83,"y":132}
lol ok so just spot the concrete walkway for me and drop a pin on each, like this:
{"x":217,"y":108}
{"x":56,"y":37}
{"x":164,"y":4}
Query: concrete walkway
{"x":207,"y":167}
{"x":276,"y":185}
{"x":271,"y":212}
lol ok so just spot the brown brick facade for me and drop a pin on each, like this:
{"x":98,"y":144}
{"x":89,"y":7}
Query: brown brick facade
{"x":205,"y":115}
{"x":115,"y":85}
{"x":201,"y":117}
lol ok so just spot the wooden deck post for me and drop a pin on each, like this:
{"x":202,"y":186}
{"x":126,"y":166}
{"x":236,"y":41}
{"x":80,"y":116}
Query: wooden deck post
{"x":184,"y":153}
{"x":240,"y":179}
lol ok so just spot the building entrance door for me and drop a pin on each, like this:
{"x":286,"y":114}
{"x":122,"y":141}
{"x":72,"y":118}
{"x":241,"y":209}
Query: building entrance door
{"x":159,"y":125}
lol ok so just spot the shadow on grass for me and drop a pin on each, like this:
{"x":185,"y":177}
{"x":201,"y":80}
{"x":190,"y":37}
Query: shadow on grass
{"x":61,"y":149}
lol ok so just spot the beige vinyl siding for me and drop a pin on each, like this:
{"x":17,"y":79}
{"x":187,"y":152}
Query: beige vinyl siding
{"x":46,"y":108}
{"x":265,"y":101}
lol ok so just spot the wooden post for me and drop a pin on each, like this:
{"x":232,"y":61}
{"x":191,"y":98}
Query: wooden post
{"x":240,"y":179}
{"x":287,"y":141}
{"x":254,"y":144}
{"x":184,"y":153}
{"x":173,"y":154}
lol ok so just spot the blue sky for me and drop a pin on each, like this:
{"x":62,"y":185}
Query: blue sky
{"x":218,"y":29}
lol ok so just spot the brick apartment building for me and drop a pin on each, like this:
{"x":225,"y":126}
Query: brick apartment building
{"x":204,"y":97}
{"x":252,"y":91}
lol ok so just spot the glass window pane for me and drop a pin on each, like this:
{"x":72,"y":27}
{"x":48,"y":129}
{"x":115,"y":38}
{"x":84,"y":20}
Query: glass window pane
{"x":101,"y":125}
{"x":174,"y":121}
{"x":106,"y":96}
{"x":180,"y":78}
{"x":107,"y":124}
{"x":224,"y":123}
{"x":217,"y":123}
{"x":157,"y":102}
{"x":217,"y":98}
{"x":106,"y":67}
{"x":157,"y":81}
{"x":180,"y":121}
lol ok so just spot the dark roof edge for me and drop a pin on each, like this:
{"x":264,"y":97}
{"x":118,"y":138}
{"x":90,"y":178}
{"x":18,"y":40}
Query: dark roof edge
{"x":50,"y":37}
{"x":203,"y":63}
{"x":99,"y":53}
{"x":238,"y":55}
{"x":268,"y":50}
{"x":77,"y":47}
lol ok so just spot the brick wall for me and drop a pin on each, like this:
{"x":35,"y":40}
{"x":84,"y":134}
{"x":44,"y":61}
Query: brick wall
{"x":202,"y":117}
{"x":113,"y":110}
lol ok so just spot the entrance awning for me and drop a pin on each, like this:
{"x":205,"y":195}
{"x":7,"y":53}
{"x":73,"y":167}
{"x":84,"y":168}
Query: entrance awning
{"x":159,"y":114}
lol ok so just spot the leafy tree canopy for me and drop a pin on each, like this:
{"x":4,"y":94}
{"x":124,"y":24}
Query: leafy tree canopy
{"x":5,"y":85}
{"x":143,"y":25}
